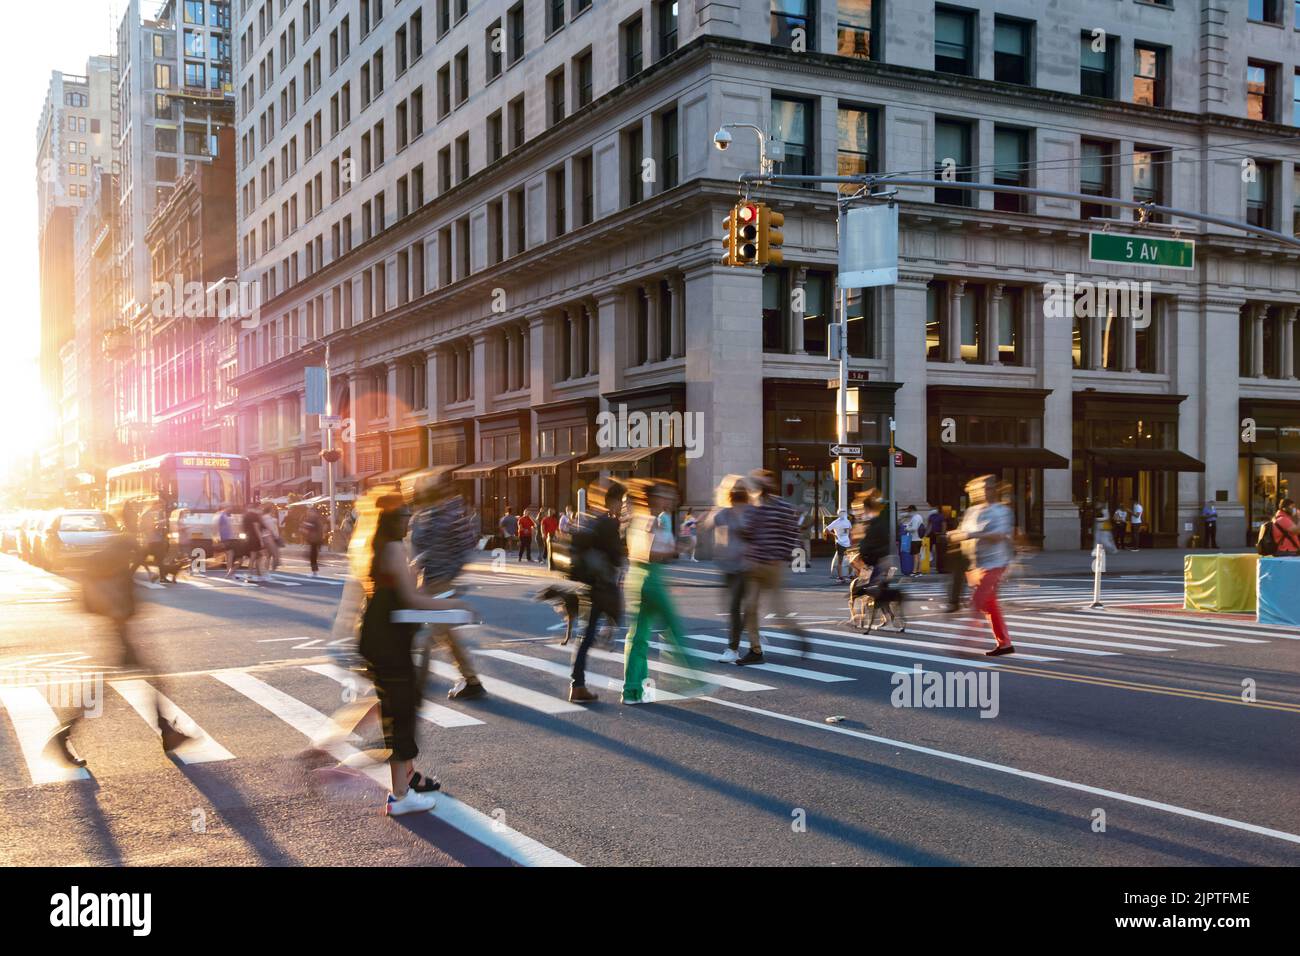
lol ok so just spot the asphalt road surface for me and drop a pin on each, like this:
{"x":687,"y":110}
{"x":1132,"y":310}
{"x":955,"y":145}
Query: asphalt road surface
{"x":1131,"y":735}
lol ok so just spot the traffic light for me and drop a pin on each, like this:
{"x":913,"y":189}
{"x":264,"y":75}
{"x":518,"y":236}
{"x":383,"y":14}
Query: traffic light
{"x":740,"y":236}
{"x":769,"y":238}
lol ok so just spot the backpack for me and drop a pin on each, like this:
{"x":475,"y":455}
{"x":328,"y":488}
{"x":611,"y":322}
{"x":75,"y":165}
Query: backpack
{"x":1266,"y":544}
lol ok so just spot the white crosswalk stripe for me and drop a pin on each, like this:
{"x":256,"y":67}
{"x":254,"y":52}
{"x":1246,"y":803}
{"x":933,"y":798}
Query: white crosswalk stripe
{"x":974,"y":630}
{"x":560,"y":670}
{"x":660,"y":667}
{"x":35,"y":722}
{"x":514,"y":693}
{"x":1156,"y":628}
{"x":433,"y":713}
{"x":199,"y":749}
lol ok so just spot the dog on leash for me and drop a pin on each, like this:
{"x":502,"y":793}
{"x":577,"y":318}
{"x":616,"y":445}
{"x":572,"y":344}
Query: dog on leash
{"x":884,"y":597}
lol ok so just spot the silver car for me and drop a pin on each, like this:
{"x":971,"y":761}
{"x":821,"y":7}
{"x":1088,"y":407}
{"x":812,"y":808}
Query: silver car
{"x":71,"y":538}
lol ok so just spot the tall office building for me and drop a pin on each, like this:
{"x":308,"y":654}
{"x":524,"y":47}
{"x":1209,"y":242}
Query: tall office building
{"x":176,"y":95}
{"x":74,"y":135}
{"x":504,"y":219}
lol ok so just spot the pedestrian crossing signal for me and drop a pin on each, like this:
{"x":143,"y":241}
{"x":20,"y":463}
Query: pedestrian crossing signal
{"x":740,"y":235}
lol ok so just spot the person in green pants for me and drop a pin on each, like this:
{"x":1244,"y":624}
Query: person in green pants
{"x":649,"y":547}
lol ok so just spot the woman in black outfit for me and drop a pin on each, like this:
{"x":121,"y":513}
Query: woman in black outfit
{"x":380,"y":563}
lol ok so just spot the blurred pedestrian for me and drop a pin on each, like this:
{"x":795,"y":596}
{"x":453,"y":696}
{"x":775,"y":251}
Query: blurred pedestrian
{"x":379,"y":561}
{"x":689,"y":535}
{"x":596,"y":556}
{"x":442,"y":539}
{"x":271,"y":540}
{"x":771,"y":534}
{"x":839,"y":531}
{"x":650,"y":545}
{"x":254,"y":533}
{"x":509,"y":528}
{"x":729,"y":550}
{"x":550,"y":524}
{"x":526,"y":526}
{"x":1210,"y":516}
{"x":987,"y":534}
{"x":312,"y":530}
{"x":936,"y":526}
{"x":108,"y":591}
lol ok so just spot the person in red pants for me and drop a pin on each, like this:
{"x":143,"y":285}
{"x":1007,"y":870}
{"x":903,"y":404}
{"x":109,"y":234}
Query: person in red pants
{"x":987,"y":536}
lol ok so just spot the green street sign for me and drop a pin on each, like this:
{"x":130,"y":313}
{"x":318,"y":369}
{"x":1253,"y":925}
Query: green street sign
{"x":1141,"y":250}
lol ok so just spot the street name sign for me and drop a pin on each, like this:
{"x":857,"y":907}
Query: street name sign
{"x":1141,"y":250}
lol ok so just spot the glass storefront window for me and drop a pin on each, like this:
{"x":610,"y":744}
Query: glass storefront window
{"x":818,"y":312}
{"x":933,"y":326}
{"x":1112,"y":334}
{"x":1079,"y":343}
{"x":1288,"y":439}
{"x":970,"y":327}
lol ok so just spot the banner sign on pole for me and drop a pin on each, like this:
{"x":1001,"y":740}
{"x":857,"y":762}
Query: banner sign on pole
{"x":869,"y":247}
{"x":315,"y":385}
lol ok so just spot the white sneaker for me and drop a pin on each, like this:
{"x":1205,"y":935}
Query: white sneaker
{"x":729,"y":656}
{"x":411,"y":803}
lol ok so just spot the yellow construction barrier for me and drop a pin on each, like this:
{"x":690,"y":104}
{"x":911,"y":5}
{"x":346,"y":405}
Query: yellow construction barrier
{"x":1220,"y":582}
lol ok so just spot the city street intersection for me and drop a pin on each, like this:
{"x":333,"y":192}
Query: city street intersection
{"x":1118,"y":737}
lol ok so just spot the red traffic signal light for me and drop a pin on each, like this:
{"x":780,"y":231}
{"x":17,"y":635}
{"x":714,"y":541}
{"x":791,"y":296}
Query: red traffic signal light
{"x":740,"y":235}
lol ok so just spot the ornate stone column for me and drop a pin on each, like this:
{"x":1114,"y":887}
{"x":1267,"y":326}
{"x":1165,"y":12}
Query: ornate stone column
{"x":992,"y":320}
{"x":798,"y":291}
{"x":952,"y":334}
{"x":1289,"y":316}
{"x":1258,"y":312}
{"x":651,"y":346}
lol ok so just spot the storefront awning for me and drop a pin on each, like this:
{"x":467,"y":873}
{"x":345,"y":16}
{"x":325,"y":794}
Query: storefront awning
{"x":993,"y":457}
{"x":878,"y":455}
{"x":620,"y":459}
{"x":358,"y":480}
{"x":1139,"y":459}
{"x":387,"y":477}
{"x":541,"y":466}
{"x":483,"y":469}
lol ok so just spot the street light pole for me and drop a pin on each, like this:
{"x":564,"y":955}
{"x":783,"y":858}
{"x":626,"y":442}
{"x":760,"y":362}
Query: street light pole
{"x":329,"y":444}
{"x":842,"y":345}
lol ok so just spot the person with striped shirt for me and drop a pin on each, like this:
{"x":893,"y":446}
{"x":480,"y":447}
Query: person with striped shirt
{"x":771,"y":534}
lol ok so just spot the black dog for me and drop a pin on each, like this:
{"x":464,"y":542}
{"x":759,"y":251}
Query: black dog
{"x":883,"y":596}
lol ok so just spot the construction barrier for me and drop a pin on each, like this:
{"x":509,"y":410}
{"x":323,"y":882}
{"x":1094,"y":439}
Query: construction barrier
{"x":1279,"y":591}
{"x":1219,"y":582}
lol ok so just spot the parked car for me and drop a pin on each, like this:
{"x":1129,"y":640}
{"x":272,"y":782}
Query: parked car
{"x":70,"y":538}
{"x":11,"y":525}
{"x":31,"y":526}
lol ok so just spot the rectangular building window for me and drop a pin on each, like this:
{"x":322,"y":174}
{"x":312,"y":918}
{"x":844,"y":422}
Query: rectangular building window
{"x":582,"y":68}
{"x":1097,"y":65}
{"x":1150,"y":176}
{"x":1149,"y":68}
{"x":1012,"y":50}
{"x":668,"y":159}
{"x":1259,"y":196}
{"x":954,"y":41}
{"x":855,"y":144}
{"x":952,"y":160}
{"x":666,"y":23}
{"x":633,"y":154}
{"x":1261,"y":91}
{"x":794,"y":24}
{"x":855,"y":29}
{"x":1096,"y":176}
{"x":792,"y":124}
{"x":631,"y":42}
{"x":1011,"y":158}
{"x":555,"y":97}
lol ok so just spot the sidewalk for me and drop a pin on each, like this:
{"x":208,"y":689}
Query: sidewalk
{"x":1165,"y":562}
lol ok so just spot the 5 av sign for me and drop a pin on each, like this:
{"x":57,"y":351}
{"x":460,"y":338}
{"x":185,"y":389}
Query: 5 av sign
{"x":1141,"y":250}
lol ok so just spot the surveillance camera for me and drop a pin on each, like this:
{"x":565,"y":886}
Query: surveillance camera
{"x":722,"y":139}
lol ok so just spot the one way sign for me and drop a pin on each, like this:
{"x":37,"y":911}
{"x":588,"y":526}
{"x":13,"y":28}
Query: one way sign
{"x":848,"y":451}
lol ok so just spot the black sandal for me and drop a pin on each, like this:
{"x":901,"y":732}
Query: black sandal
{"x":422,"y":784}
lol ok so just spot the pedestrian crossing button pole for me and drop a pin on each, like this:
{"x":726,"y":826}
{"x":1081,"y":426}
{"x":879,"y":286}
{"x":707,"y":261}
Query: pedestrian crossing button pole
{"x":1098,"y":566}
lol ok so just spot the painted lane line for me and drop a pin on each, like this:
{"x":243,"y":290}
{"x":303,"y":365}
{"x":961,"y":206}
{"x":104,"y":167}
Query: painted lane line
{"x":869,"y":649}
{"x":869,"y":639}
{"x":559,"y":670}
{"x":706,"y":677}
{"x":974,"y":630}
{"x":34,"y":723}
{"x":487,"y":830}
{"x":800,"y":672}
{"x":429,"y":711}
{"x":141,"y":695}
{"x":1038,"y":624}
{"x":833,"y":659}
{"x":511,"y":692}
{"x":1016,"y":772}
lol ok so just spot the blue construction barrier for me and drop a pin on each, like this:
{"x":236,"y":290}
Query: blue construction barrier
{"x":1279,"y":591}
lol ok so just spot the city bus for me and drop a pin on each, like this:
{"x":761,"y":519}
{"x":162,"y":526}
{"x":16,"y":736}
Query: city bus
{"x":186,"y":489}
